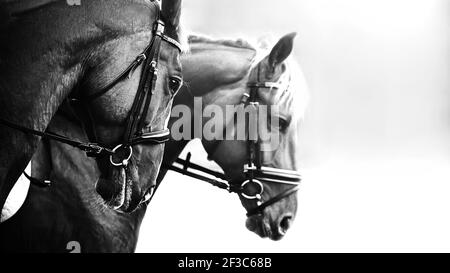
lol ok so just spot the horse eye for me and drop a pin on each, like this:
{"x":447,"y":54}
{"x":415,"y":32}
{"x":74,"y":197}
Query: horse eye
{"x":282,"y":124}
{"x":175,"y":84}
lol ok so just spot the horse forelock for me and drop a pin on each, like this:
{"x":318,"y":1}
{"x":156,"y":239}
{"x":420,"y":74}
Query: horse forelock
{"x":292,"y":92}
{"x":291,"y":99}
{"x":295,"y":95}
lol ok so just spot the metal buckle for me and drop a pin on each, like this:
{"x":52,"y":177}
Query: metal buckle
{"x":95,"y":148}
{"x":257,"y":195}
{"x":125,"y":161}
{"x":141,"y":57}
{"x":245,"y":98}
{"x":158,"y":28}
{"x":154,"y":68}
{"x":247,"y":168}
{"x":92,"y":149}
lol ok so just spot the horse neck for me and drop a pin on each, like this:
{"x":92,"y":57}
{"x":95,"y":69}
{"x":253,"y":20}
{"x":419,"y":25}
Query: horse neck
{"x":72,"y":173}
{"x":74,"y":176}
{"x":209,"y":66}
{"x":68,"y":164}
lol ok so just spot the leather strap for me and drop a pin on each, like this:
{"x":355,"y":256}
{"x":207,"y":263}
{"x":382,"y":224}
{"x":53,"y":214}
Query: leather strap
{"x":90,"y":148}
{"x":260,"y":208}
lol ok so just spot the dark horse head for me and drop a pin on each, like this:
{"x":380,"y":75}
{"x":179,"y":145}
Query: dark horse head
{"x":126,"y":185}
{"x":63,"y":56}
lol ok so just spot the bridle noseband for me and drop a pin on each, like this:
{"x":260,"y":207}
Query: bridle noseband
{"x":134,"y":134}
{"x":255,"y":173}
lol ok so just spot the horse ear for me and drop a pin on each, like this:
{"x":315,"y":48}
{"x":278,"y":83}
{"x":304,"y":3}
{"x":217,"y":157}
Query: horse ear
{"x":171,"y":11}
{"x":282,"y":49}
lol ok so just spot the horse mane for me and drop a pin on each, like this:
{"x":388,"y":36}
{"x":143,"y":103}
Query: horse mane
{"x":238,"y":43}
{"x":297,"y":95}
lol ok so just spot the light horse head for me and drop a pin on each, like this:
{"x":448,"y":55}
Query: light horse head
{"x":261,"y":166}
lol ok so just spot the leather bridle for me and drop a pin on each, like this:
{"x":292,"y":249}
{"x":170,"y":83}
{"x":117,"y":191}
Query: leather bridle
{"x":255,"y":173}
{"x":120,"y":155}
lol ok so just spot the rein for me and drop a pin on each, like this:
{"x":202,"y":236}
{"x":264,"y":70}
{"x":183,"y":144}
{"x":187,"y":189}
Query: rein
{"x":218,"y":179}
{"x":215,"y":178}
{"x":92,"y":149}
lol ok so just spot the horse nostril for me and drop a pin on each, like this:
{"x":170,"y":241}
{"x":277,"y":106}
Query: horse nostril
{"x":285,"y":223}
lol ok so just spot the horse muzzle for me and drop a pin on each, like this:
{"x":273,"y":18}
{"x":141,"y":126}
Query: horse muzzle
{"x":120,"y":191}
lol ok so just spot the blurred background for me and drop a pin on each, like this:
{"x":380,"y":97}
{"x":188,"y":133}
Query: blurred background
{"x":376,"y":135}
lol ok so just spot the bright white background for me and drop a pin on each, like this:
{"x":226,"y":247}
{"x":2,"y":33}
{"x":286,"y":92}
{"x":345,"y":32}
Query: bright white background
{"x":376,"y":136}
